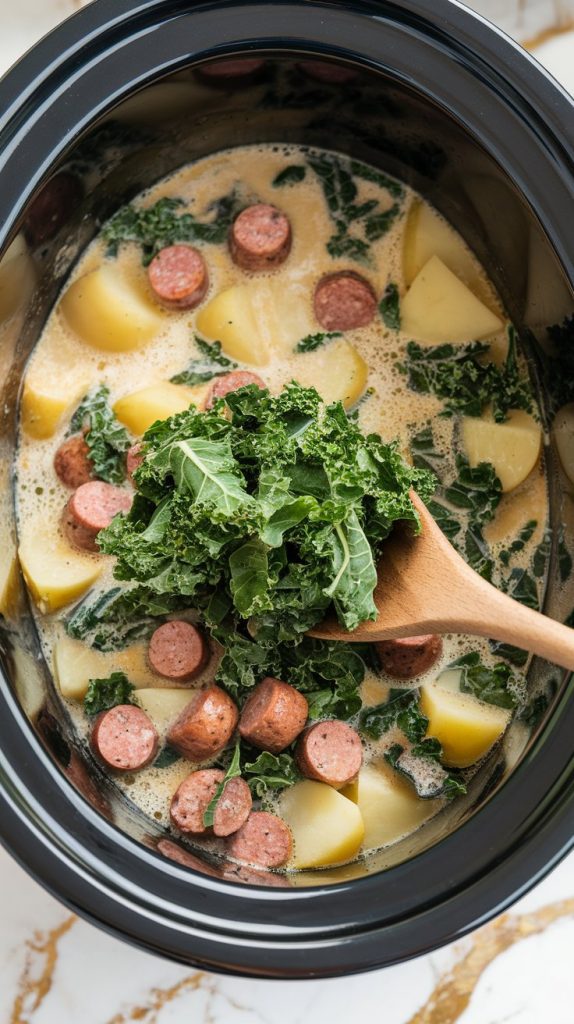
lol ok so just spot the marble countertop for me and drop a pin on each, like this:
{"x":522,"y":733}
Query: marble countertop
{"x":57,"y":969}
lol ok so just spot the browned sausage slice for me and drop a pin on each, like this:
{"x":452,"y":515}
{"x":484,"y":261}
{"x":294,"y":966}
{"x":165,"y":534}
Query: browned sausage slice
{"x":229,"y":382}
{"x":90,"y":509}
{"x":124,"y":738}
{"x":194,"y":795}
{"x":134,"y":459}
{"x":330,"y":752}
{"x":410,"y":656}
{"x":72,"y":462}
{"x":344,"y":301}
{"x":233,"y":808}
{"x":273,"y":715}
{"x":260,"y":237}
{"x":178,"y":277}
{"x":264,"y":839}
{"x":205,"y":726}
{"x":177,"y":651}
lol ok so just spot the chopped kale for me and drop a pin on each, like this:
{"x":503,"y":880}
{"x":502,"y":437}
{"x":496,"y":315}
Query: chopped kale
{"x":107,"y":440}
{"x":496,"y":685}
{"x":233,"y":772}
{"x":211,"y":364}
{"x":424,"y":453}
{"x":270,"y":772}
{"x":314,"y":341}
{"x":103,"y":694}
{"x":290,"y":175}
{"x":402,"y":710}
{"x":166,"y":757}
{"x":519,"y":543}
{"x":389,"y":307}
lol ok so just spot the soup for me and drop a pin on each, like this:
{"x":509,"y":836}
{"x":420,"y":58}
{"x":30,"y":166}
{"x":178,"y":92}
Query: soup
{"x":219,"y":287}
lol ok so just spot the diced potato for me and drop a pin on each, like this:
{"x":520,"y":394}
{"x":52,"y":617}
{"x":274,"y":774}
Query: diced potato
{"x":75,"y":664}
{"x":142,"y":408}
{"x":465,"y":727}
{"x":230,"y":318}
{"x":44,"y":403}
{"x":428,"y":234}
{"x":337,"y":371}
{"x":54,"y":572}
{"x":513,"y":447}
{"x":107,"y":311}
{"x":438,"y":308}
{"x":517,"y":508}
{"x":163,"y":705}
{"x":390,"y":806}
{"x":327,"y":828}
{"x":563,"y":431}
{"x":283,"y":313}
{"x":17,"y":277}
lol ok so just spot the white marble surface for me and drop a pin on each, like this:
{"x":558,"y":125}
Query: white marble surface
{"x":56,"y":969}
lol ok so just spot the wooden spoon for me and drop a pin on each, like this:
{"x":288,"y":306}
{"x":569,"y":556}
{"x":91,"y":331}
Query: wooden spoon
{"x":424,"y":586}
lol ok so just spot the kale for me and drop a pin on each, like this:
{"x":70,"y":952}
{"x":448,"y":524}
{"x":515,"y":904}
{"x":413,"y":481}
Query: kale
{"x":105,"y":437}
{"x":270,"y":772}
{"x":117,"y":617}
{"x":521,"y":585}
{"x":103,"y":694}
{"x":162,"y":224}
{"x":444,"y":518}
{"x":477,"y":490}
{"x":558,"y":368}
{"x":283,"y":507}
{"x":515,"y":655}
{"x":457,"y":374}
{"x":496,"y":685}
{"x":314,"y":341}
{"x":402,"y":710}
{"x":336,"y":176}
{"x":211,"y":364}
{"x":290,"y":175}
{"x":519,"y":543}
{"x":166,"y":757}
{"x":421,"y":765}
{"x":233,"y":772}
{"x":477,"y":552}
{"x":424,"y":453}
{"x":389,"y":307}
{"x":564,"y":559}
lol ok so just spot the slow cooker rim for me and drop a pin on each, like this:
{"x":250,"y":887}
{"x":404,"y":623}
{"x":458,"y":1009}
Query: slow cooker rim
{"x":361,"y":959}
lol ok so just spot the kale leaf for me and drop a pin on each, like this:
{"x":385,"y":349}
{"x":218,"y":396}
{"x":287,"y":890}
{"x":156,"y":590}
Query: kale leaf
{"x":496,"y":685}
{"x":389,"y":307}
{"x":422,"y":767}
{"x":105,"y":437}
{"x":290,"y":175}
{"x":270,"y":772}
{"x":402,"y":710}
{"x":162,"y":224}
{"x":211,"y":364}
{"x":233,"y":772}
{"x":103,"y":694}
{"x":314,"y":341}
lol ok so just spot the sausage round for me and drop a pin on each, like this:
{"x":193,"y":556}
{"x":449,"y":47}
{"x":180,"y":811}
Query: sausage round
{"x":263,"y":840}
{"x":330,"y":752}
{"x":260,"y":237}
{"x":90,"y":509}
{"x":229,"y":382}
{"x":273,"y":715}
{"x":177,"y":651}
{"x":134,"y":459}
{"x":410,"y":656}
{"x":124,"y":738}
{"x":174,"y":852}
{"x":205,"y":726}
{"x":344,"y":301}
{"x":196,"y":792}
{"x":72,"y":462}
{"x":178,"y":277}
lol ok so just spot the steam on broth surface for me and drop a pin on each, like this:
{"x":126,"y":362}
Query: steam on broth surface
{"x":108,"y":330}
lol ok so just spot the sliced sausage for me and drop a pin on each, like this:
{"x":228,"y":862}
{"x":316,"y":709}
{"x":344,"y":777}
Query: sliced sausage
{"x":273,"y":715}
{"x":330,"y":752}
{"x":260,"y":237}
{"x":178,"y":277}
{"x":263,"y":840}
{"x":134,"y":459}
{"x":177,"y":651}
{"x":90,"y":509}
{"x":343,"y":301}
{"x":180,"y":856}
{"x":194,"y":795}
{"x":72,"y":462}
{"x":254,"y":876}
{"x":229,"y":382}
{"x":124,"y":738}
{"x":410,"y":656}
{"x":205,"y":726}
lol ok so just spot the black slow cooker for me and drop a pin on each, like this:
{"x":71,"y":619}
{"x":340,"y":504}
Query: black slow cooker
{"x":115,"y":98}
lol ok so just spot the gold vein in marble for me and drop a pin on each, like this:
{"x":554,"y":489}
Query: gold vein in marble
{"x":546,"y":34}
{"x":453,"y":992}
{"x":36,"y":978}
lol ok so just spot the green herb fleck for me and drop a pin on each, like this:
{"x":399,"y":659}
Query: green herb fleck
{"x":389,"y":307}
{"x":233,"y":772}
{"x":314,"y":341}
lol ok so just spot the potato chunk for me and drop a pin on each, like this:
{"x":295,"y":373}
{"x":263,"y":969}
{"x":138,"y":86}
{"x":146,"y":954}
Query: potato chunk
{"x":327,"y":828}
{"x":142,"y":408}
{"x":438,"y":307}
{"x":563,"y":431}
{"x":466,"y":727}
{"x":75,"y":664}
{"x":107,"y":311}
{"x":230,"y":318}
{"x":428,"y":234}
{"x":54,"y":572}
{"x":390,"y":806}
{"x":513,"y":447}
{"x":163,"y":704}
{"x":44,"y":403}
{"x":337,"y":371}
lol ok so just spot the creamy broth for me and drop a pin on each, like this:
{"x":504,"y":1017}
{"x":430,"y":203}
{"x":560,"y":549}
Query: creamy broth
{"x":285,"y":315}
